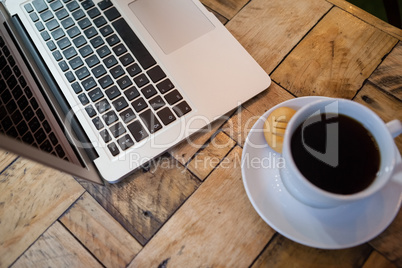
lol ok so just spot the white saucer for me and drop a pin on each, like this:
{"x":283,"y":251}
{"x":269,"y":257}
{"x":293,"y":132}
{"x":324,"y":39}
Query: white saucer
{"x":334,"y":228}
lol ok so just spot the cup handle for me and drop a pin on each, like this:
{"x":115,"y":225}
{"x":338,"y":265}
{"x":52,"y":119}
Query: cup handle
{"x":394,"y":127}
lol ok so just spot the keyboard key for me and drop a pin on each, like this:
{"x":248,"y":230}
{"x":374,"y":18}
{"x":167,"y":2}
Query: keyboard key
{"x":125,"y":142}
{"x":112,"y":92}
{"x":58,"y":33}
{"x":113,"y":149}
{"x":100,"y":21}
{"x":90,"y":32}
{"x":173,"y":97}
{"x":87,"y":4}
{"x":79,"y":41}
{"x":98,"y":123}
{"x":124,"y":82}
{"x":117,"y":129}
{"x":137,"y":130}
{"x":39,"y":5}
{"x":110,"y":117}
{"x":82,"y":73}
{"x":157,"y":103}
{"x":86,"y":51}
{"x":105,"y":81}
{"x":73,"y":32}
{"x":105,"y":31}
{"x":72,"y":6}
{"x":117,"y":71}
{"x":120,"y":104}
{"x":134,"y":69}
{"x":156,"y":74}
{"x":139,"y":104}
{"x":110,"y":61}
{"x":141,"y":80}
{"x":126,"y":59}
{"x":105,"y":4}
{"x":90,"y":110}
{"x":83,"y":98}
{"x":131,"y":93}
{"x":102,"y":106}
{"x":56,"y":5}
{"x":103,"y":51}
{"x":39,"y":26}
{"x":112,"y":40}
{"x":148,"y":91}
{"x":112,"y":14}
{"x":127,"y":116}
{"x":93,"y":12}
{"x":70,"y":53}
{"x":98,"y":71}
{"x":150,"y":121}
{"x":34,"y":17}
{"x":47,"y":15}
{"x":89,"y":83}
{"x":63,"y":43}
{"x":119,"y":49}
{"x":76,"y":87}
{"x":75,"y":63}
{"x":92,"y":61}
{"x":67,"y":23}
{"x":28,"y":8}
{"x":78,"y":14}
{"x":165,"y":86}
{"x":84,"y":23}
{"x":70,"y":77}
{"x":97,"y":42}
{"x":182,"y":108}
{"x":62,"y":14}
{"x":95,"y":94}
{"x":63,"y":66}
{"x":105,"y":135}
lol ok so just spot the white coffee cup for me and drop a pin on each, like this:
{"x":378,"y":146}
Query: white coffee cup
{"x":308,"y":193}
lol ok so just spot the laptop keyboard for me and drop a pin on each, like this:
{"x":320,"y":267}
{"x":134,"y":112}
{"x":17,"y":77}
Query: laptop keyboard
{"x":21,"y":116}
{"x":125,"y":93}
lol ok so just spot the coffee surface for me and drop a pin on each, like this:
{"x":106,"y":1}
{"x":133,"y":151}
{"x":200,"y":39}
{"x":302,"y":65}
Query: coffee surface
{"x":357,"y":154}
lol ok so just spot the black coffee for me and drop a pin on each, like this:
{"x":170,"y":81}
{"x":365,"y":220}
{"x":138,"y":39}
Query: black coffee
{"x":358,"y":156}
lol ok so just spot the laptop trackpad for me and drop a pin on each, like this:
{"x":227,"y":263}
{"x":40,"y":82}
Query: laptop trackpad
{"x":172,"y":23}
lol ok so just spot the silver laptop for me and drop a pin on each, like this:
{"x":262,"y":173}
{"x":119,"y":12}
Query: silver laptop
{"x":99,"y":88}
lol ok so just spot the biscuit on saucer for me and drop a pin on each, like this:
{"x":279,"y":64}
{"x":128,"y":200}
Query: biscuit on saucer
{"x":275,"y":126}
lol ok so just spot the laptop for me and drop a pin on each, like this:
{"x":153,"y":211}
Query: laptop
{"x":98,"y":88}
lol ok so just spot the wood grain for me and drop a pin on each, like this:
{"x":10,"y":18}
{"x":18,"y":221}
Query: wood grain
{"x":102,"y":235}
{"x":144,"y":201}
{"x":207,"y":159}
{"x":270,"y":29}
{"x":367,"y":17}
{"x":226,"y":8}
{"x":389,"y":243}
{"x":216,"y":227}
{"x":240,"y":124}
{"x":6,"y":158}
{"x":33,"y":197}
{"x":282,"y":252}
{"x":335,"y":58}
{"x":384,"y":105}
{"x":388,"y":76}
{"x":186,"y":149}
{"x":56,"y":248}
{"x":376,"y":260}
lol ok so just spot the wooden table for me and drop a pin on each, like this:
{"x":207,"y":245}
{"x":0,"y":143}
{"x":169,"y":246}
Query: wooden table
{"x":189,"y":208}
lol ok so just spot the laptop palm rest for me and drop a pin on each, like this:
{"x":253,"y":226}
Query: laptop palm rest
{"x":171,"y":23}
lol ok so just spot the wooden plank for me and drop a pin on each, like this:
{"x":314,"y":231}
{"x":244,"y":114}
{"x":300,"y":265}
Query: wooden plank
{"x":270,"y":29}
{"x":102,"y":235}
{"x":32,"y":197}
{"x":206,"y":160}
{"x":367,"y":17}
{"x":376,"y":260}
{"x":142,"y":202}
{"x":335,"y":58}
{"x":386,"y":106}
{"x":6,"y":158}
{"x":216,"y":227}
{"x":388,"y":75}
{"x":56,"y":248}
{"x":186,"y":149}
{"x":281,"y":252}
{"x":240,"y":124}
{"x":226,"y":8}
{"x":388,"y":243}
